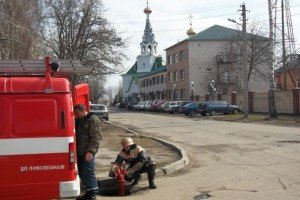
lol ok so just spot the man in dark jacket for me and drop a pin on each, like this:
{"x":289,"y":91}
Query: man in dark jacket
{"x":88,"y":136}
{"x":139,"y":162}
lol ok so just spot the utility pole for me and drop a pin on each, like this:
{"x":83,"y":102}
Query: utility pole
{"x":283,"y":47}
{"x":244,"y":25}
{"x":272,"y":103}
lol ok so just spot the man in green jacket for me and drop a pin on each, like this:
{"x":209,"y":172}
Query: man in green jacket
{"x":88,"y":136}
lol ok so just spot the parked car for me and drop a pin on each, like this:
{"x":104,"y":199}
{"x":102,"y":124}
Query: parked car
{"x":179,"y":108}
{"x":171,"y":104}
{"x":138,"y":106}
{"x":157,"y":106}
{"x":145,"y":105}
{"x":214,"y":107}
{"x":130,"y":105}
{"x":150,"y":107}
{"x":100,"y":111}
{"x":160,"y":108}
{"x":190,"y":108}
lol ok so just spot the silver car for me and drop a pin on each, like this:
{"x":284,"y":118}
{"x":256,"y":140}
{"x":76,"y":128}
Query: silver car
{"x":100,"y":111}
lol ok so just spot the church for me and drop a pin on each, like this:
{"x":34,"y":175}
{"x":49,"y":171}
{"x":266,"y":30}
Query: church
{"x":146,"y":62}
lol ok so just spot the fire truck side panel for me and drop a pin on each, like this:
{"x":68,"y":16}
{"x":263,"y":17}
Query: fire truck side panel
{"x":37,"y":139}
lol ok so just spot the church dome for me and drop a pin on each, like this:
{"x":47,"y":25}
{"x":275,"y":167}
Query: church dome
{"x":147,"y":10}
{"x":190,"y":32}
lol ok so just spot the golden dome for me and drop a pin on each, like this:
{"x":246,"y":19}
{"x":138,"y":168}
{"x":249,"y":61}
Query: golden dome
{"x":147,"y":10}
{"x":190,"y":32}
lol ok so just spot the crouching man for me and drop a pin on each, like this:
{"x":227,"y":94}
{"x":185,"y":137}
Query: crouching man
{"x":139,"y":162}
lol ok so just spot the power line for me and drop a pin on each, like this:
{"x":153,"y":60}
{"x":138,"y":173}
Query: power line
{"x":188,"y":11}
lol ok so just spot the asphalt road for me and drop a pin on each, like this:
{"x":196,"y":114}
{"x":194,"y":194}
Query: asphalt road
{"x":229,"y":161}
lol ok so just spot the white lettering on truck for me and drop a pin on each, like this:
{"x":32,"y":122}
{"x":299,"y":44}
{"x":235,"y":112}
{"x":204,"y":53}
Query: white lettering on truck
{"x":42,"y":168}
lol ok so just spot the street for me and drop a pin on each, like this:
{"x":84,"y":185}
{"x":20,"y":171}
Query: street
{"x":228,"y":160}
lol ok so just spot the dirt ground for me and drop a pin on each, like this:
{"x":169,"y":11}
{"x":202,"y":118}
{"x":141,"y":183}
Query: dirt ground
{"x":110,"y":147}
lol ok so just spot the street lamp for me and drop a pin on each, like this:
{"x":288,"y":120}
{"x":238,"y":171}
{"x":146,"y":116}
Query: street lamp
{"x":192,"y":91}
{"x":174,"y":90}
{"x":212,"y":89}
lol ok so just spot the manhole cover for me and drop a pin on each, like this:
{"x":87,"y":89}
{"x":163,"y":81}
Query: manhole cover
{"x":202,"y":195}
{"x":289,"y":141}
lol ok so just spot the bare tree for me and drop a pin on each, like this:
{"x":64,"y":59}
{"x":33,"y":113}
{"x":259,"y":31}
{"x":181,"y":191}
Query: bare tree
{"x":97,"y":90}
{"x":18,"y":29}
{"x":118,"y":96}
{"x":258,"y":53}
{"x":77,"y":29}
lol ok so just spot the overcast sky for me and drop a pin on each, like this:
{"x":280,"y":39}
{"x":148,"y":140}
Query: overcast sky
{"x":170,"y":20}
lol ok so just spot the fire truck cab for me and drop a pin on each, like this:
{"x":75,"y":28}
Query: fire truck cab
{"x":37,"y":133}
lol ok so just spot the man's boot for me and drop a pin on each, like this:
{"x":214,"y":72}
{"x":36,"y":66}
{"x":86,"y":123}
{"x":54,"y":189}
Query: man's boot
{"x":89,"y":195}
{"x":151,"y":181}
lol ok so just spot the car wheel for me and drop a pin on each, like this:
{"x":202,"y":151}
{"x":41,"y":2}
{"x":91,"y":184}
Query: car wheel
{"x":203,"y":113}
{"x":212,"y":113}
{"x":235,"y":111}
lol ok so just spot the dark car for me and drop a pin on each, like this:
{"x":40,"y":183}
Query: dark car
{"x":214,"y":107}
{"x":179,"y":108}
{"x":190,"y":108}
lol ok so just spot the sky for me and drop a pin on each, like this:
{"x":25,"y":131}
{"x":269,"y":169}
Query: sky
{"x":170,"y":21}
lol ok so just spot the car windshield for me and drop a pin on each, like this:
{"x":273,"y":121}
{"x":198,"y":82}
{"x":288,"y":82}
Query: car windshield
{"x":98,"y":107}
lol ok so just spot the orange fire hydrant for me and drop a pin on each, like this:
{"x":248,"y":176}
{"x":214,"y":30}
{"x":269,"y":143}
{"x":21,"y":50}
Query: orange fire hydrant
{"x":120,"y":173}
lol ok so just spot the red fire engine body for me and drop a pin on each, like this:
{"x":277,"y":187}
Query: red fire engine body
{"x":37,"y":134}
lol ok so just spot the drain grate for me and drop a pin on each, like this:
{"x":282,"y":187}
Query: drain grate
{"x":290,"y":141}
{"x":202,"y":195}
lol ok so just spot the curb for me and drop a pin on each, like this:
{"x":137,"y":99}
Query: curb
{"x":171,"y":168}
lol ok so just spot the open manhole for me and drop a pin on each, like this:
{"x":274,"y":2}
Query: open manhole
{"x":290,"y":141}
{"x":202,"y":195}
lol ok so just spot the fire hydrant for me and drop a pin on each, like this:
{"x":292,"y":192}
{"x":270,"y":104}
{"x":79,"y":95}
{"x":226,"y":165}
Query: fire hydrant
{"x":120,"y":173}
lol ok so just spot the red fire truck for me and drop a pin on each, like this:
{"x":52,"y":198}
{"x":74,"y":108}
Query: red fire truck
{"x":37,"y":134}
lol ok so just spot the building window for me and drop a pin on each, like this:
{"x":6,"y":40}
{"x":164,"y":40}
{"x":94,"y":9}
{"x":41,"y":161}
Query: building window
{"x":182,"y":93}
{"x":175,"y":76}
{"x":143,"y":83}
{"x":168,"y":60}
{"x":182,"y":74}
{"x":170,"y":94}
{"x":173,"y":58}
{"x":181,"y":56}
{"x":162,"y":79}
{"x":170,"y":77}
{"x":153,"y":81}
{"x":150,"y":82}
{"x":176,"y":58}
{"x":147,"y":82}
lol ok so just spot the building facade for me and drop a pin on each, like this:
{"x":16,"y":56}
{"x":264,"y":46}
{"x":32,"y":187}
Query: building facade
{"x":204,"y":65}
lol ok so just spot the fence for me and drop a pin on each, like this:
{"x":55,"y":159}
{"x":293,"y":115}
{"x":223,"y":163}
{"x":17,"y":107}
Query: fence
{"x":287,"y":102}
